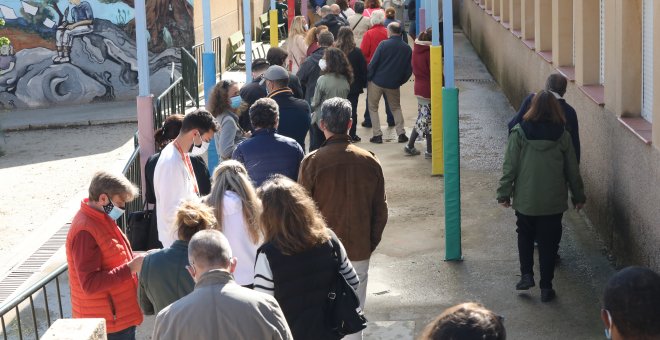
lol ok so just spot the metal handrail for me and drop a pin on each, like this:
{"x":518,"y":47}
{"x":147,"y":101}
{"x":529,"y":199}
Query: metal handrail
{"x":40,"y":285}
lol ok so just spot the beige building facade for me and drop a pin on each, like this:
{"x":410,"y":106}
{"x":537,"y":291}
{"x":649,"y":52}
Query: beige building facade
{"x":606,"y":48}
{"x":226,"y":19}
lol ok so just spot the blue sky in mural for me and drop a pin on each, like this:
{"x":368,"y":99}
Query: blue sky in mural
{"x":103,"y":11}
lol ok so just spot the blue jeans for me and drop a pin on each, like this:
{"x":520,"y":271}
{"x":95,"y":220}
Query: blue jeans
{"x":126,"y":334}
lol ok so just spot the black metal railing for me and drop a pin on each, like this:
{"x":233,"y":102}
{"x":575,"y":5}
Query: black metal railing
{"x":15,"y":317}
{"x":171,"y":101}
{"x":190,"y":75}
{"x":132,"y":171}
{"x":198,"y":50}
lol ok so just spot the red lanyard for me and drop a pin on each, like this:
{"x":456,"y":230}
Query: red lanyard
{"x":186,"y":159}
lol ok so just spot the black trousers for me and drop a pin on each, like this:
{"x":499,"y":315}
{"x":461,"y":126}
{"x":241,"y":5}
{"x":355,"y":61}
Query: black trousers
{"x":353,"y":98}
{"x":316,"y":137}
{"x":546,"y":230}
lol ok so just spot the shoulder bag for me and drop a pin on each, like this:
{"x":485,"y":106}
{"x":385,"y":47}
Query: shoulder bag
{"x":343,"y":313}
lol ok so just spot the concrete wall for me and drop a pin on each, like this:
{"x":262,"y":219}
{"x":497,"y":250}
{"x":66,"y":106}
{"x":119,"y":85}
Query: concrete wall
{"x":227,"y":18}
{"x":621,"y":172}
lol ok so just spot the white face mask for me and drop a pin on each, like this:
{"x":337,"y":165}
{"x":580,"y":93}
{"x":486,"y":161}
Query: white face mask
{"x":322,"y":64}
{"x":198,"y":150}
{"x":306,"y":27}
{"x":608,"y":332}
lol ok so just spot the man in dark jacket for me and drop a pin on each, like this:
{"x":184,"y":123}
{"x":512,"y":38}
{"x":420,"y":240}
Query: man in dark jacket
{"x":331,"y":20}
{"x":295,"y":114}
{"x":251,"y":92}
{"x":310,"y":71}
{"x":389,"y":69}
{"x":556,"y":83}
{"x":266,"y":152}
{"x":277,"y":56}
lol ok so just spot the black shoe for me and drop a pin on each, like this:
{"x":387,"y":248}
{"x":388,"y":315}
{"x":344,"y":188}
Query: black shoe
{"x":356,"y":138}
{"x":366,"y":124}
{"x":391,"y":124}
{"x":376,"y":139}
{"x":548,"y":295}
{"x":403,"y":138}
{"x":526,"y":282}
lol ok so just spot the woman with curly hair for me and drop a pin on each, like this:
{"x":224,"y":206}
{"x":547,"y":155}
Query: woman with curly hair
{"x":299,"y":260}
{"x":237,"y":208}
{"x":335,"y":81}
{"x":312,"y":39}
{"x":223,"y":105}
{"x":346,"y":42}
{"x":296,"y":45}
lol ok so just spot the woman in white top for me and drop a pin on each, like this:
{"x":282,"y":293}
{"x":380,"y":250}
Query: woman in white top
{"x":296,"y":45}
{"x":237,"y":210}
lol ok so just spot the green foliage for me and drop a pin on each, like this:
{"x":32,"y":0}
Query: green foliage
{"x":3,"y":40}
{"x":2,"y":22}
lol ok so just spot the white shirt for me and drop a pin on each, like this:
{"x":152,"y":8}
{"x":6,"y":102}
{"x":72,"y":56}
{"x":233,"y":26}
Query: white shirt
{"x":236,"y":230}
{"x":173,"y":184}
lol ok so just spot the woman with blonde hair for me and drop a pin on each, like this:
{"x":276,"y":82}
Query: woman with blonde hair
{"x":236,"y":208}
{"x":296,"y":45}
{"x":297,"y":263}
{"x":312,"y":38}
{"x":164,"y":278}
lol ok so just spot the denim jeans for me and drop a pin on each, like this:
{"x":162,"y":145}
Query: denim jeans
{"x":126,"y":334}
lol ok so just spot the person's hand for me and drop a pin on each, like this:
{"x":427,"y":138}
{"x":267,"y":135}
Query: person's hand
{"x":505,"y":203}
{"x":247,"y":134}
{"x":136,"y":263}
{"x":579,"y":206}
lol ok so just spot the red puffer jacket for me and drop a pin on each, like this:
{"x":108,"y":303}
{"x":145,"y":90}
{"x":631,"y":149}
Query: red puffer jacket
{"x":421,"y":64}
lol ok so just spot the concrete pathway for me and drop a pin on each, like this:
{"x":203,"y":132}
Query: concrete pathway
{"x":409,"y":282}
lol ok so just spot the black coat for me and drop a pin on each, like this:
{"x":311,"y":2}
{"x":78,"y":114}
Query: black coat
{"x":571,"y":120}
{"x":359,"y":64}
{"x":333,"y":22}
{"x":310,"y":72}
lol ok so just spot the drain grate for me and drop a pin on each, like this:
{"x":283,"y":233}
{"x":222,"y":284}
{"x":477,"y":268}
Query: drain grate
{"x":479,"y":81}
{"x":33,"y":264}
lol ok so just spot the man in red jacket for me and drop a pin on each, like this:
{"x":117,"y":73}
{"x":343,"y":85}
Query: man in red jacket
{"x":102,"y":266}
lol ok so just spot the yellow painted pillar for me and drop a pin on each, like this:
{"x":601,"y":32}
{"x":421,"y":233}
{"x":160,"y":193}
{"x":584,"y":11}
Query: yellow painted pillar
{"x":273,"y":28}
{"x":514,"y":14}
{"x":527,"y":19}
{"x":562,"y":32}
{"x":587,"y":42}
{"x":438,"y":165}
{"x":543,"y":25}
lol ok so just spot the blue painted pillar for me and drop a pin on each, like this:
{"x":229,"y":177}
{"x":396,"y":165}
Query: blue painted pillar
{"x":209,"y":72}
{"x":247,"y":35}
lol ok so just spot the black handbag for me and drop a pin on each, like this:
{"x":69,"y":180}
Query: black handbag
{"x":142,"y":230}
{"x":343,"y":313}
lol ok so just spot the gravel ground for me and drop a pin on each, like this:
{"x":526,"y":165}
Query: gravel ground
{"x":43,"y":169}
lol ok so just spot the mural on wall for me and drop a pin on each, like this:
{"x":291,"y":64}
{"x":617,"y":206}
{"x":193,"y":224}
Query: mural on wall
{"x":83,"y":51}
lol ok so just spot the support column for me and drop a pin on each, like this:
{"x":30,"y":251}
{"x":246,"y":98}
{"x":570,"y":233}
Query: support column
{"x":514,"y":14}
{"x":587,"y":42}
{"x":504,"y":11}
{"x":543,"y":25}
{"x":623,"y":59}
{"x":656,"y":77}
{"x":145,"y":106}
{"x":527,"y":19}
{"x":562,"y":32}
{"x":496,"y":8}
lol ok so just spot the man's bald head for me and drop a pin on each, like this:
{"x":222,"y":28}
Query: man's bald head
{"x":325,"y":10}
{"x":394,"y":28}
{"x":335,"y":9}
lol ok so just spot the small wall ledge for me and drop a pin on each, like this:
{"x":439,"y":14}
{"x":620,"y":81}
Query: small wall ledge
{"x":595,"y":92}
{"x":639,"y":126}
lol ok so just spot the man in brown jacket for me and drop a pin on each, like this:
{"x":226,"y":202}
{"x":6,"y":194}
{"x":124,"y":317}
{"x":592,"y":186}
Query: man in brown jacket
{"x":348,"y":186}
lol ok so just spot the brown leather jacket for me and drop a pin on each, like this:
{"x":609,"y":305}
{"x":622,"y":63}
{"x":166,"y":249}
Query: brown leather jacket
{"x":349,"y":189}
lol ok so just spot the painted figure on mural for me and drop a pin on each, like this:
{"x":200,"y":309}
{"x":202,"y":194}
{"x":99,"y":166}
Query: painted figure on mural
{"x":82,"y":18}
{"x":7,"y":58}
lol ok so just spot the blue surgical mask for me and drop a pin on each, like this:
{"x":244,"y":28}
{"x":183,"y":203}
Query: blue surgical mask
{"x":235,"y":102}
{"x":608,"y":332}
{"x":113,"y":211}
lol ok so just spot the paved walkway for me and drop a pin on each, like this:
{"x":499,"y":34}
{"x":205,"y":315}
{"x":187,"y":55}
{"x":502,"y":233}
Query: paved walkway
{"x":409,"y":282}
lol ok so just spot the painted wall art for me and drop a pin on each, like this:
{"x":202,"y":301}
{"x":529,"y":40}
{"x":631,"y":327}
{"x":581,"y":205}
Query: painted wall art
{"x":56,"y":52}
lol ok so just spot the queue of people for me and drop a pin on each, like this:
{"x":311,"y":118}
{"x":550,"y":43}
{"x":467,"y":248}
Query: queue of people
{"x":253,"y":250}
